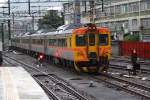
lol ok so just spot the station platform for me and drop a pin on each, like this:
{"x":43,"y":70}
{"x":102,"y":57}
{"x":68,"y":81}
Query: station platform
{"x":17,"y":84}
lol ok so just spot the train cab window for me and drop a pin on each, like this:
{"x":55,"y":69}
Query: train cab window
{"x":103,"y":39}
{"x":91,"y":39}
{"x":80,"y":40}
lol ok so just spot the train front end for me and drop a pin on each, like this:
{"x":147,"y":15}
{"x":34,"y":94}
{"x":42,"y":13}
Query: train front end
{"x":91,"y":49}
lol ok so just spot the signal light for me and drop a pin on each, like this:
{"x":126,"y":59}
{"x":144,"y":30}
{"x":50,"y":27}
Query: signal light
{"x":41,"y":56}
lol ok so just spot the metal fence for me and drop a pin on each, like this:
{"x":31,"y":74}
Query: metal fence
{"x":142,"y":48}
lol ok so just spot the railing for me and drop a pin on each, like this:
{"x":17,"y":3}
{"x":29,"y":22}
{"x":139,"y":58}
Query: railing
{"x":142,"y":48}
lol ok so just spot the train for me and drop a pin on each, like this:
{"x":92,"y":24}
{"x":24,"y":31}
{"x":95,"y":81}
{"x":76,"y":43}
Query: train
{"x":85,"y":48}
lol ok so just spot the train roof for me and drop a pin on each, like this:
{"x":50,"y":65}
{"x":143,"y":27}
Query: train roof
{"x":53,"y":33}
{"x":65,"y":29}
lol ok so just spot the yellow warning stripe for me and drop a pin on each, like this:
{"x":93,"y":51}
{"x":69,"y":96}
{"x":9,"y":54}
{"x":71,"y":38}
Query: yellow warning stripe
{"x":10,"y":90}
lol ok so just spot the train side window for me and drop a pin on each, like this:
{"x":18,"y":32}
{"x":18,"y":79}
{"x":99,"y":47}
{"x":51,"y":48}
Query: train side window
{"x":41,"y":41}
{"x":25,"y":41}
{"x":62,"y":42}
{"x":50,"y":42}
{"x":103,"y":39}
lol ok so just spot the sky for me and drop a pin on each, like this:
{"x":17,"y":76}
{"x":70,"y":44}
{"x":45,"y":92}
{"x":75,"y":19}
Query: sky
{"x":25,"y":6}
{"x":2,"y":1}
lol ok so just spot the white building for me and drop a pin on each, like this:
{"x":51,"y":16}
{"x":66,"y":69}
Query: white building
{"x":121,"y":16}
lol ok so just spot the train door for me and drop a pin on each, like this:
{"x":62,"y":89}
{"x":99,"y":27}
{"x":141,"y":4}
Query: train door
{"x":92,"y":45}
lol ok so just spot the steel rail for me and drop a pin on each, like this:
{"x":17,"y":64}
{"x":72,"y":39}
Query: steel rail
{"x":50,"y":93}
{"x":115,"y":66}
{"x":146,"y":89}
{"x":128,"y":60}
{"x":55,"y":79}
{"x":128,"y":82}
{"x":67,"y":88}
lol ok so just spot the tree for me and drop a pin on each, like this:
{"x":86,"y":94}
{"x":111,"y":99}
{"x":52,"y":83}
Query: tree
{"x":51,"y":20}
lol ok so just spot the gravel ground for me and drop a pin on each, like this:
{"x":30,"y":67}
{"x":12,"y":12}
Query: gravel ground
{"x":99,"y":90}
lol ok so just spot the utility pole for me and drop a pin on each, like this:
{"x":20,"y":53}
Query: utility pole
{"x":92,"y":11}
{"x":32,"y":22}
{"x":102,"y":5}
{"x":2,"y":31}
{"x":85,"y":7}
{"x":29,"y":5}
{"x":8,"y":7}
{"x":13,"y":18}
{"x":9,"y":26}
{"x":39,"y":11}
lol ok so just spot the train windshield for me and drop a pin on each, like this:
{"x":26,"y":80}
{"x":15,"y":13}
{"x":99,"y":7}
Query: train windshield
{"x":103,"y":39}
{"x":80,"y":40}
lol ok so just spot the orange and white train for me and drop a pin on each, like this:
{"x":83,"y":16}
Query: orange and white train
{"x":87,"y":49}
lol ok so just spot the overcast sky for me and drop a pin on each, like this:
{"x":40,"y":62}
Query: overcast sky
{"x":24,"y":6}
{"x":2,"y":1}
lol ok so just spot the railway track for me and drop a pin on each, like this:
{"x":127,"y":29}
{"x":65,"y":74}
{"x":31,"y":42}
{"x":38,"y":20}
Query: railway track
{"x":127,"y":60}
{"x":125,"y":85}
{"x":122,"y":65}
{"x":55,"y":87}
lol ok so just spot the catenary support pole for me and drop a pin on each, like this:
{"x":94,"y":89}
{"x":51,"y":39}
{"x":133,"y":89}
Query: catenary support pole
{"x":2,"y":32}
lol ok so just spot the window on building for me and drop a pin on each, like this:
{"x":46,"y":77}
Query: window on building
{"x":135,"y":6}
{"x":124,"y":8}
{"x":111,"y":10}
{"x":118,"y":9}
{"x":148,"y":4}
{"x":143,"y":5}
{"x":134,"y":22}
{"x":107,"y":10}
{"x":144,"y":23}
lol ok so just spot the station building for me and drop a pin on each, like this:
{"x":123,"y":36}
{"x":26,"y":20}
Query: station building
{"x":121,"y":16}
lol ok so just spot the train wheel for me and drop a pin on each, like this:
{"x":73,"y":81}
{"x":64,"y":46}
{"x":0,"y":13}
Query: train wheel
{"x":77,"y":69}
{"x":103,"y":68}
{"x":64,"y":62}
{"x":56,"y":61}
{"x":91,"y":70}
